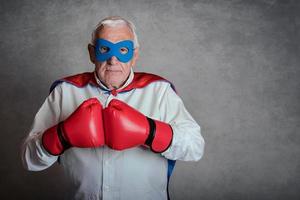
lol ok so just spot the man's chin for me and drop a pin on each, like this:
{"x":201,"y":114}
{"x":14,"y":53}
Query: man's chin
{"x":114,"y":83}
{"x":115,"y":79}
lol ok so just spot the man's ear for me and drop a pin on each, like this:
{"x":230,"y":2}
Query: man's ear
{"x":91,"y":49}
{"x":135,"y":56}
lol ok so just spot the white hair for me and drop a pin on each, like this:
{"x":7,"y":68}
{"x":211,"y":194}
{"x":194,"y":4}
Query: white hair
{"x":114,"y":21}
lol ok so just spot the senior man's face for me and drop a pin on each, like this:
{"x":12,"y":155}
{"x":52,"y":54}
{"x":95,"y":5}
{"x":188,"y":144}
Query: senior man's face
{"x":112,"y":72}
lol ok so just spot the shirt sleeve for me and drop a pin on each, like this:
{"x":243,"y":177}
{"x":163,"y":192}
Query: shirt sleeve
{"x":34,"y":156}
{"x":188,"y":143}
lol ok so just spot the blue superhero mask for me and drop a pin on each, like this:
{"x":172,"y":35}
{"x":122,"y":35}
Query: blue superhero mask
{"x":105,"y":49}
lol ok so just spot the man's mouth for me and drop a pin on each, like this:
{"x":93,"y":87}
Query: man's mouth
{"x":110,"y":70}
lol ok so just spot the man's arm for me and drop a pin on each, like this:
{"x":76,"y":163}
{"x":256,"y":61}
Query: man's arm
{"x":34,"y":156}
{"x":188,"y":143}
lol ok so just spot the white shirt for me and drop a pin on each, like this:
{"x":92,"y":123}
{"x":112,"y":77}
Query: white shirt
{"x":103,"y":173}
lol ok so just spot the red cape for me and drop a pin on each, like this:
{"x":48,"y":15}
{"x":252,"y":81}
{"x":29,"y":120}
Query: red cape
{"x":140,"y":80}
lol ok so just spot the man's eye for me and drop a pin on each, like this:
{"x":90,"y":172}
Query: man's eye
{"x":123,"y":50}
{"x":104,"y":49}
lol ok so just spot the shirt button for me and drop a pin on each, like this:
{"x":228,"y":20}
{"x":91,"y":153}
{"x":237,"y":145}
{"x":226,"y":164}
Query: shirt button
{"x":114,"y":92}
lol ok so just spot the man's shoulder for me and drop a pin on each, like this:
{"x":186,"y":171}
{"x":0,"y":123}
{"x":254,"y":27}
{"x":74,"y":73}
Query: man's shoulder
{"x":147,"y":75}
{"x":142,"y":79}
{"x":147,"y":78}
{"x":78,"y":80}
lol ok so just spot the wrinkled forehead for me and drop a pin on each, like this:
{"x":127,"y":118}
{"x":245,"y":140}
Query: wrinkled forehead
{"x":114,"y":33}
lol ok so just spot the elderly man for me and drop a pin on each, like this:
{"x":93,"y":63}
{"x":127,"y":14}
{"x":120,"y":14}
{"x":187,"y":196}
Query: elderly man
{"x":116,"y":132}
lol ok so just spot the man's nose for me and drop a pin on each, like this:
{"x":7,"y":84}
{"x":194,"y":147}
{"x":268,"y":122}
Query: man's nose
{"x":113,"y":60}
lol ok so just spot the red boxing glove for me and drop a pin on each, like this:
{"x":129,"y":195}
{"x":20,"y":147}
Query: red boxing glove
{"x":83,"y":128}
{"x":125,"y":127}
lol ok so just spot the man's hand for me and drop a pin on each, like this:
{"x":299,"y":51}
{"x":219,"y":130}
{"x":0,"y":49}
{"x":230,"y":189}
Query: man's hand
{"x":83,"y":128}
{"x":126,"y":127}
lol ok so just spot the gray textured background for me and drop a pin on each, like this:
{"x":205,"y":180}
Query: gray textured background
{"x":234,"y":63}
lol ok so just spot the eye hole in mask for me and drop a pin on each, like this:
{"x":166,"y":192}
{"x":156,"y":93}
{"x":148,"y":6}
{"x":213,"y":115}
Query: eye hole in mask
{"x":123,"y":50}
{"x":105,"y":49}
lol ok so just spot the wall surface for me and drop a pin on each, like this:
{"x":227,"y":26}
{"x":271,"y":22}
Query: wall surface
{"x":234,"y":63}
